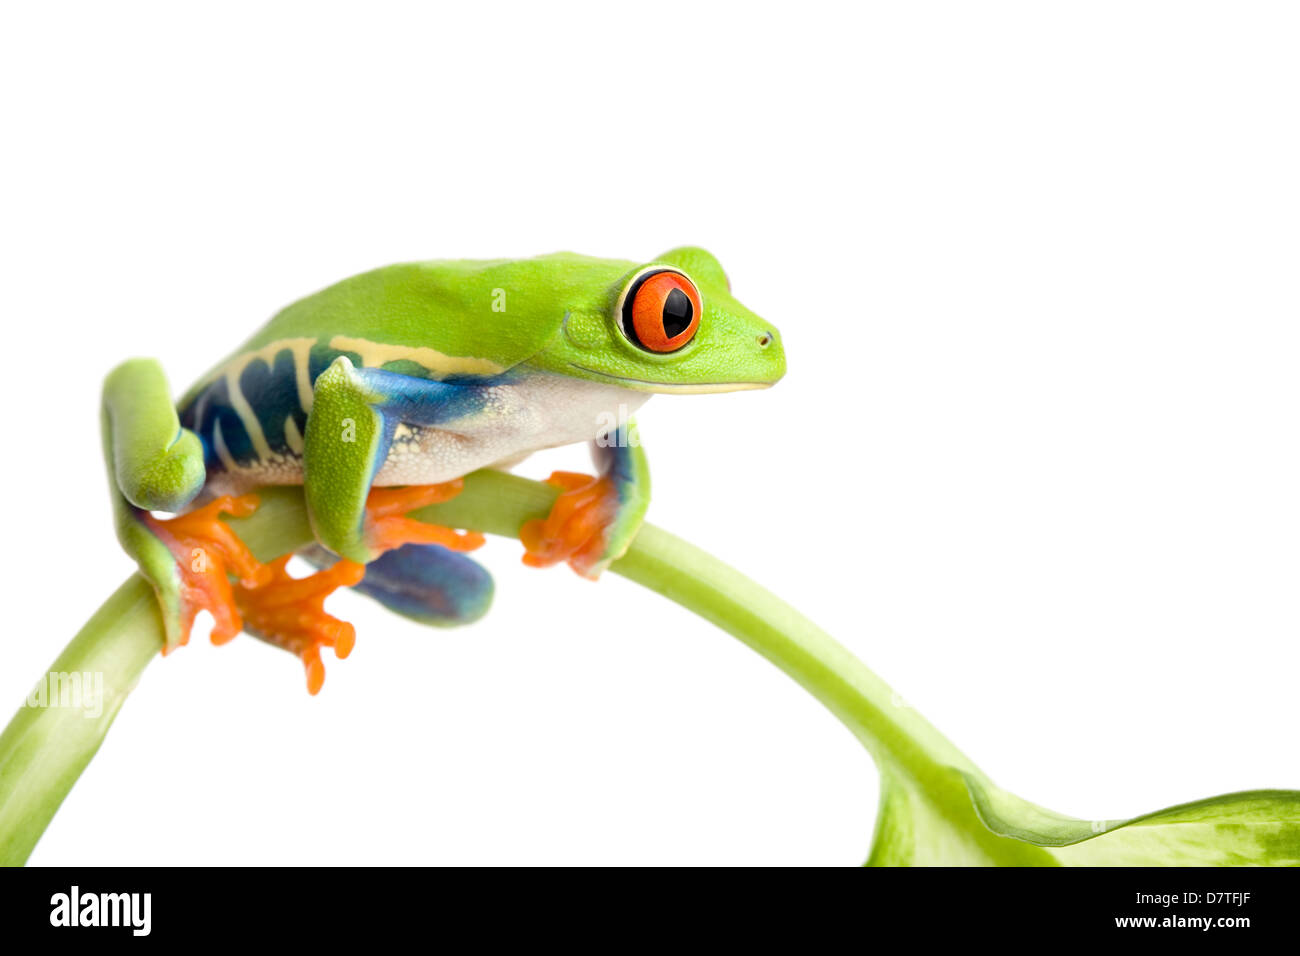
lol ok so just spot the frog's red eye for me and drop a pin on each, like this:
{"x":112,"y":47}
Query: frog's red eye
{"x":661,"y":311}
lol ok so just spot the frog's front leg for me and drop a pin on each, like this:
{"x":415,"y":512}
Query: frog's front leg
{"x":349,"y":433}
{"x":594,"y":520}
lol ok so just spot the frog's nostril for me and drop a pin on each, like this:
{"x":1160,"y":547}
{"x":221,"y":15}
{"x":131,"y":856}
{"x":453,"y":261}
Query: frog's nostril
{"x":765,"y":340}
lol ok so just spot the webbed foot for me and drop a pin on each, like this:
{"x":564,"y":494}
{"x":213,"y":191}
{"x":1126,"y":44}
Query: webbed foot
{"x":207,"y":552}
{"x":387,"y":527}
{"x":289,"y":613}
{"x":577,"y":529}
{"x":263,"y":599}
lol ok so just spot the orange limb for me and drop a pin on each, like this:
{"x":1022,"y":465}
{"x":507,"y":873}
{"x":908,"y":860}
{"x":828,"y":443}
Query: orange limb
{"x":207,"y":552}
{"x":289,"y":613}
{"x":263,"y":599}
{"x":387,"y":526}
{"x":575,"y":530}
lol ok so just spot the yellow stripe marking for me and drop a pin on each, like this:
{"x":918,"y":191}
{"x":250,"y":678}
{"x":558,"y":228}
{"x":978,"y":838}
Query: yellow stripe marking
{"x":219,"y":442}
{"x":375,"y":354}
{"x":246,"y":414}
{"x":300,"y":350}
{"x":292,"y":437}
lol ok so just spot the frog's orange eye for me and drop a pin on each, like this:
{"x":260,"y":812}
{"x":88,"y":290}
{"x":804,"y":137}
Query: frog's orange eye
{"x":661,"y":311}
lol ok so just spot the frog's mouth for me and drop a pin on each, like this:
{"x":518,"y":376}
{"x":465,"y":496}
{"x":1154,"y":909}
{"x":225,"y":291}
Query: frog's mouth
{"x":701,"y":388}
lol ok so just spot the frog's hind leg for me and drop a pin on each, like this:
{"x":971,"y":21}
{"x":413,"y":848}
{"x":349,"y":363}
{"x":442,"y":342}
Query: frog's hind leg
{"x":263,"y":599}
{"x":427,"y":581}
{"x":156,"y":465}
{"x":424,"y":582}
{"x":203,"y":553}
{"x":190,"y":559}
{"x":290,"y":614}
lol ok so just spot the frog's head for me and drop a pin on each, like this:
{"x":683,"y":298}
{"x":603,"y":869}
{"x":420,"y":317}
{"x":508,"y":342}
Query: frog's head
{"x":670,"y":325}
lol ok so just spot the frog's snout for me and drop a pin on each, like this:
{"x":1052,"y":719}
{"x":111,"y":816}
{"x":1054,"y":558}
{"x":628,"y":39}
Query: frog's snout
{"x":770,"y":355}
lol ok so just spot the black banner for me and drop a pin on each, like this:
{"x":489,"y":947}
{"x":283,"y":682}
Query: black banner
{"x":1148,"y":905}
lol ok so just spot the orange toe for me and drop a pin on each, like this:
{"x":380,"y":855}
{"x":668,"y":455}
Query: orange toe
{"x":574,"y":531}
{"x":289,"y":613}
{"x":263,"y":599}
{"x":207,"y":552}
{"x":387,"y":526}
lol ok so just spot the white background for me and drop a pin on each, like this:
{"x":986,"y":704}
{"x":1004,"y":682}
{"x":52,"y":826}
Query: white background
{"x":1035,"y":460}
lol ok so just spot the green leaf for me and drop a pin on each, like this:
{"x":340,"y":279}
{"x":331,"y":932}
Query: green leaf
{"x":934,"y":823}
{"x":961,"y":819}
{"x":1254,"y":827}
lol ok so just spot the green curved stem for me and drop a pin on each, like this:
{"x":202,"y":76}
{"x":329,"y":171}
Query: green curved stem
{"x":45,"y":749}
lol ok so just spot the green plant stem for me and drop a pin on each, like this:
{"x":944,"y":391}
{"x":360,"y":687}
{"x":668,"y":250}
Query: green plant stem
{"x":45,"y":749}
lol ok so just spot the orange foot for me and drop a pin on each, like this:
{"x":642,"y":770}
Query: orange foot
{"x":290,"y":613}
{"x":387,"y":526}
{"x":268,"y":603}
{"x":207,"y":552}
{"x":576,"y":529}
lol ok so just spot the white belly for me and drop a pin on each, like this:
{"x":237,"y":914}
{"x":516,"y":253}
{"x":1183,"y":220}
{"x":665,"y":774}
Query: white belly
{"x":541,"y":411}
{"x":544,"y":411}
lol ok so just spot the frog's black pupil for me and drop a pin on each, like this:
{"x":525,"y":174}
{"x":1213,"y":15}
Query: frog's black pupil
{"x":678,"y":313}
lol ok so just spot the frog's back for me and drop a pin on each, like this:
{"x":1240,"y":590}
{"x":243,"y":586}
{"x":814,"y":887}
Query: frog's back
{"x":448,"y":320}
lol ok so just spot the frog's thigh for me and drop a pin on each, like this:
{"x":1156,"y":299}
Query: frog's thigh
{"x":424,"y":582}
{"x":156,"y":464}
{"x":349,"y":431}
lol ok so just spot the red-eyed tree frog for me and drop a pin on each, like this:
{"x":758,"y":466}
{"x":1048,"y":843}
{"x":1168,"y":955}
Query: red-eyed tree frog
{"x":378,"y":394}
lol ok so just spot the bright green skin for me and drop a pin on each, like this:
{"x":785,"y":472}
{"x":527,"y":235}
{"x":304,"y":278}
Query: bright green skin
{"x":558,"y":317}
{"x":468,"y":323}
